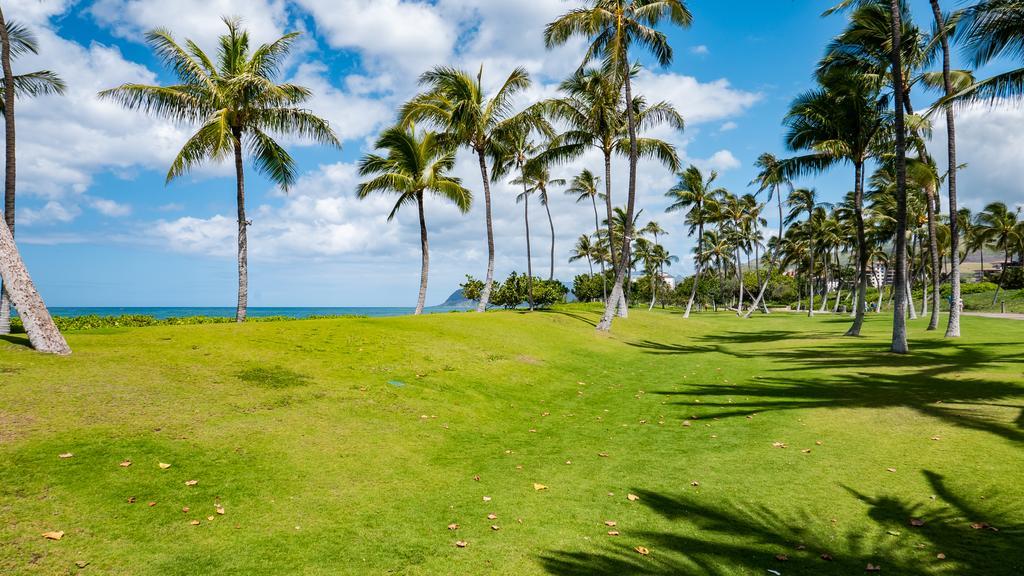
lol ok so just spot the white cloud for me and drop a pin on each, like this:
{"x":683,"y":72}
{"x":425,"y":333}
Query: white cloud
{"x":728,"y":126}
{"x":52,"y":212}
{"x":700,"y":50}
{"x":198,"y":20}
{"x":697,"y":101}
{"x":110,"y":208}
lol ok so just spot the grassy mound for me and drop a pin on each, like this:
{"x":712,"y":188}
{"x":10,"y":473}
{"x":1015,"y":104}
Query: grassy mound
{"x":354,"y":446}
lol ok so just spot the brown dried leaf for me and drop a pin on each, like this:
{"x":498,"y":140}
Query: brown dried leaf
{"x":806,"y":450}
{"x":687,"y":423}
{"x":461,"y":544}
{"x":779,"y":445}
{"x":890,"y":469}
{"x":632,"y":497}
{"x":492,"y":516}
{"x":56,"y":535}
{"x":495,"y":527}
{"x":539,"y":487}
{"x":210,"y":518}
{"x":131,"y":499}
{"x":164,"y":466}
{"x":642,"y":551}
{"x":125,"y":464}
{"x":610,"y":523}
{"x":81,"y":563}
{"x":151,"y":504}
{"x":602,"y":454}
{"x":695,"y":484}
{"x":191,"y":482}
{"x":453,"y":526}
{"x":65,"y":455}
{"x":195,"y":522}
{"x":568,"y":462}
{"x":826,"y":557}
{"x":613,"y":532}
{"x":487,"y":498}
{"x":185,"y":509}
{"x":936,"y":438}
{"x":818,"y":442}
{"x":477,"y":477}
{"x":940,"y":556}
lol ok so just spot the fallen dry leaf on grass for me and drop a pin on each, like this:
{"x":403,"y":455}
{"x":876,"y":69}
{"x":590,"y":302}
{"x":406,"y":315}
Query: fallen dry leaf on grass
{"x":694,"y":483}
{"x":151,"y":504}
{"x":195,"y":522}
{"x":936,"y":438}
{"x":477,"y":477}
{"x":613,"y":532}
{"x":781,"y":557}
{"x":57,"y":535}
{"x":210,"y":518}
{"x":131,"y":499}
{"x":81,"y":563}
{"x":495,"y":527}
{"x":779,"y":445}
{"x":185,"y":509}
{"x":65,"y":455}
{"x":632,"y":497}
{"x":602,"y":454}
{"x":220,"y":510}
{"x":164,"y":466}
{"x":539,"y":487}
{"x":568,"y":462}
{"x":890,"y":469}
{"x":610,"y":523}
{"x":940,"y":556}
{"x":191,"y":482}
{"x":453,"y":526}
{"x":818,"y":443}
{"x":917,"y":522}
{"x":487,"y":498}
{"x":686,"y":423}
{"x":461,"y":544}
{"x":873,"y":568}
{"x":642,"y":551}
{"x":492,"y":516}
{"x":806,"y":450}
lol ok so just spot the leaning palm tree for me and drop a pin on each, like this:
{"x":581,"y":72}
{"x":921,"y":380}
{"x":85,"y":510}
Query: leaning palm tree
{"x":456,"y":103}
{"x":42,"y":332}
{"x":415,"y":165}
{"x":694,"y":195}
{"x":29,"y":85}
{"x":771,"y":178}
{"x":240,"y":107}
{"x":584,"y":249}
{"x":584,"y":187}
{"x":805,"y":201}
{"x":612,"y":27}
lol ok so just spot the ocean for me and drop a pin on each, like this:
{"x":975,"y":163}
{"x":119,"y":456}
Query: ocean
{"x":255,"y":312}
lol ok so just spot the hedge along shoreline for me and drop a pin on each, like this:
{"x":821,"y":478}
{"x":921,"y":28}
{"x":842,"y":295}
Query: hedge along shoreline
{"x":94,"y":321}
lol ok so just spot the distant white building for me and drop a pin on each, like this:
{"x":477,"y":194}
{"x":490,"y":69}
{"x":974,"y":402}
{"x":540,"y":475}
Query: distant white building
{"x":669,"y":281}
{"x":877,"y":276}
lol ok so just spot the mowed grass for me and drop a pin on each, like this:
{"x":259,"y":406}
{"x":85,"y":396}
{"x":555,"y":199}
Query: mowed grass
{"x":349,"y":446}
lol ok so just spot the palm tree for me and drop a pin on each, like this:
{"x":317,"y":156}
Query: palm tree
{"x":537,"y":177}
{"x":997,"y":224}
{"x":414,"y":166}
{"x":839,"y":122}
{"x":953,"y":326}
{"x":584,"y":248}
{"x":612,"y":27}
{"x":805,"y":201}
{"x":512,"y":152}
{"x":585,"y":186}
{"x":240,"y":107}
{"x":655,"y":230}
{"x":694,"y":195}
{"x":771,"y":178}
{"x":42,"y":332}
{"x":29,"y":85}
{"x":992,"y":29}
{"x":593,"y":108}
{"x":455,"y":101}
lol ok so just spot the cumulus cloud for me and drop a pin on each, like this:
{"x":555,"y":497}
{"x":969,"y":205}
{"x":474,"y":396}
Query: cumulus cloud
{"x":110,"y":208}
{"x":193,"y":19}
{"x":51,"y":212}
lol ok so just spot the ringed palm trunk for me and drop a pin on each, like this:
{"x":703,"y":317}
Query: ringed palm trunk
{"x":696,"y":273}
{"x":485,"y":296}
{"x":771,"y":265}
{"x":597,"y":233}
{"x":42,"y":332}
{"x":621,"y":309}
{"x":899,"y":326}
{"x":933,"y":249}
{"x":551,"y":223}
{"x":953,"y":327}
{"x":529,"y":252}
{"x":811,"y":279}
{"x":425,"y":248}
{"x":739,"y":277}
{"x":243,"y":225}
{"x":999,"y":285}
{"x":862,"y":254}
{"x":620,"y":274}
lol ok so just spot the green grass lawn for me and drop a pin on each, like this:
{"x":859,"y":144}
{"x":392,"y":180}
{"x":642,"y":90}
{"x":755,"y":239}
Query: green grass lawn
{"x":349,"y":446}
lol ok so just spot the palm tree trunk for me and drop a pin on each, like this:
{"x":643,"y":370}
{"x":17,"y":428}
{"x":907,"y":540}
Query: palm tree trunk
{"x":810,"y":274}
{"x":772,"y":262}
{"x":697,"y":266}
{"x":933,"y":249}
{"x":617,"y":289}
{"x":551,"y":223}
{"x":243,"y":225}
{"x":999,"y":285}
{"x":862,"y":254}
{"x":485,"y":295}
{"x":597,"y":236}
{"x":529,"y":253}
{"x":899,"y":326}
{"x":42,"y":332}
{"x":739,"y":277}
{"x":425,"y":248}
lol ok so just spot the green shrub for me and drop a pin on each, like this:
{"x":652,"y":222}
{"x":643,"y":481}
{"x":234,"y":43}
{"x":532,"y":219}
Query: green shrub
{"x":94,"y":321}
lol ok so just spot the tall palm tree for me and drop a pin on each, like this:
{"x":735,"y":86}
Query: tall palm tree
{"x":511,"y":153}
{"x":584,"y":186}
{"x":942,"y":27}
{"x":42,"y":332}
{"x":840,"y":122}
{"x":416,"y":164}
{"x":455,"y":101}
{"x":28,"y":85}
{"x":584,"y":248}
{"x":771,"y":178}
{"x":997,"y":224}
{"x":537,"y":177}
{"x":612,"y":27}
{"x":992,"y":29}
{"x":694,"y":195}
{"x":805,"y":201}
{"x":240,"y":106}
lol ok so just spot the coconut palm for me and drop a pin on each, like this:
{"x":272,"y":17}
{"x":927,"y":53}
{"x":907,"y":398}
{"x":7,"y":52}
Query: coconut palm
{"x":997,"y":224}
{"x":805,"y":201}
{"x":842,"y":121}
{"x":511,"y":153}
{"x":694,"y":195}
{"x":42,"y":332}
{"x":584,"y":248}
{"x":455,"y":101}
{"x":538,"y":179}
{"x":28,"y":85}
{"x":992,"y":29}
{"x":612,"y":27}
{"x":240,"y":107}
{"x":415,"y":165}
{"x":771,"y":178}
{"x":584,"y":186}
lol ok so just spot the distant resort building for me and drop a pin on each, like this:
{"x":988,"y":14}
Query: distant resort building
{"x":669,"y":281}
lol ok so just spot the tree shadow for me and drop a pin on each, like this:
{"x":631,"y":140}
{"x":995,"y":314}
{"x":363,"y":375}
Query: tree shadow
{"x":19,"y":340}
{"x":582,"y":317}
{"x":726,"y":538}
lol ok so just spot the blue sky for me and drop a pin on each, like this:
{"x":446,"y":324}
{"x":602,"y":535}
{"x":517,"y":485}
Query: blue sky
{"x":98,"y":227}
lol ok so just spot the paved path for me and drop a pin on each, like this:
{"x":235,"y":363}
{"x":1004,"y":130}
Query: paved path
{"x":994,"y":315}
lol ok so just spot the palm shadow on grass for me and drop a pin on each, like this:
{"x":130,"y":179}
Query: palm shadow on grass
{"x":935,"y":381}
{"x":18,"y":340}
{"x":724,"y":538}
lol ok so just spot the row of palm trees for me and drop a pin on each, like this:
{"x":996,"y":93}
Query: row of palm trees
{"x":861,"y":113}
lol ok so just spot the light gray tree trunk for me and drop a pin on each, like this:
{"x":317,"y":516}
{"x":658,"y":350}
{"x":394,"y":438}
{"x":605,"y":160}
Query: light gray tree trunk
{"x":425,"y":253}
{"x":697,"y":267}
{"x":597,"y":236}
{"x":529,"y":251}
{"x":551,"y":223}
{"x":485,"y":295}
{"x":899,"y":326}
{"x":42,"y":332}
{"x":243,"y":242}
